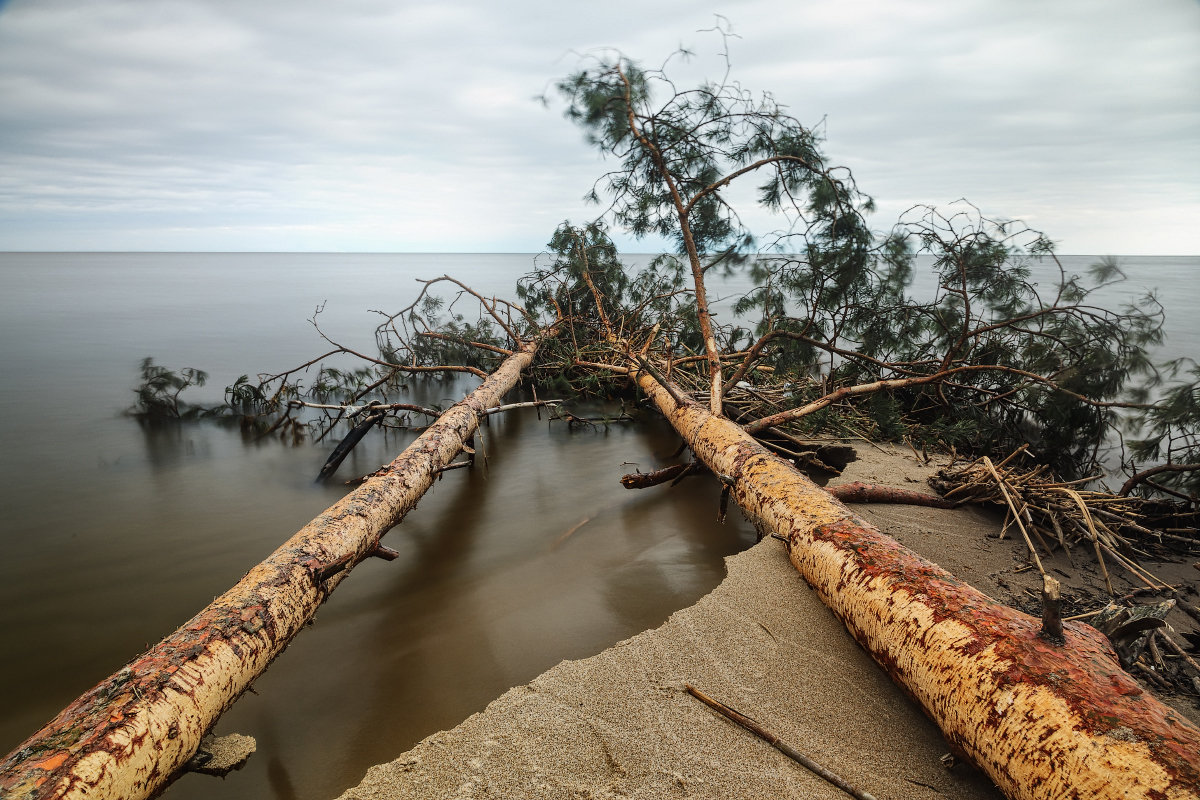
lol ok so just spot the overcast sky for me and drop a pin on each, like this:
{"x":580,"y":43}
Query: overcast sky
{"x":365,"y":125}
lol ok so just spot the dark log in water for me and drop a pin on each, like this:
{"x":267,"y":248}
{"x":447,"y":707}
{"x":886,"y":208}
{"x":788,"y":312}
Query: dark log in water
{"x":347,"y":444}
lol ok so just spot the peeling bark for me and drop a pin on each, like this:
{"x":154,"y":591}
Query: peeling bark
{"x":129,"y":735}
{"x":1042,"y":720}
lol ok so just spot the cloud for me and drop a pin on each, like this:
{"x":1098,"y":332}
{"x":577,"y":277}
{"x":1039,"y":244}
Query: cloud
{"x":204,"y":124}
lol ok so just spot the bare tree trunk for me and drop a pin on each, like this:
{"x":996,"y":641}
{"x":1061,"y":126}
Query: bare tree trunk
{"x":1044,"y":721}
{"x":127,"y":737}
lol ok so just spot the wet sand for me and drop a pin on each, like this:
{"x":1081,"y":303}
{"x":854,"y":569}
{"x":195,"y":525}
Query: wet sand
{"x":620,"y":725}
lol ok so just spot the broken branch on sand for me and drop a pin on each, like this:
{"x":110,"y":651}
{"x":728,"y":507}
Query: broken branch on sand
{"x":779,"y":744}
{"x":859,"y":492}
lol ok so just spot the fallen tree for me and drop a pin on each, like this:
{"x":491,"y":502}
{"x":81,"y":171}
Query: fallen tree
{"x":1043,"y":720}
{"x":130,"y":735}
{"x":988,"y":361}
{"x":1046,"y":713}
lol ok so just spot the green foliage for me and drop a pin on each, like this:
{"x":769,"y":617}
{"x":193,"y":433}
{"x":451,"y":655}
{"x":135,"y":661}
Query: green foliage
{"x":887,"y":413}
{"x":245,"y":398}
{"x":679,"y":155}
{"x":1169,"y":431}
{"x":596,"y":302}
{"x":335,"y":385}
{"x":158,"y":393}
{"x":989,"y":362}
{"x":1035,"y":365}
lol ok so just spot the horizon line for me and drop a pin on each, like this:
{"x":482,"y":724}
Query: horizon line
{"x":476,"y":253}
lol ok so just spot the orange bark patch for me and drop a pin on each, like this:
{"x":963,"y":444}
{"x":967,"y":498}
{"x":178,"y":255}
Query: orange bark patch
{"x":56,"y":760}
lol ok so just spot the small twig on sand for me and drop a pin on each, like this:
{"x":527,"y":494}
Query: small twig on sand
{"x":1087,"y":615}
{"x":773,"y":740}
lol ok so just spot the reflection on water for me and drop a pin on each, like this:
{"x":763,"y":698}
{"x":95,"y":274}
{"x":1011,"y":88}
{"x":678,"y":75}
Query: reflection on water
{"x":486,"y":593}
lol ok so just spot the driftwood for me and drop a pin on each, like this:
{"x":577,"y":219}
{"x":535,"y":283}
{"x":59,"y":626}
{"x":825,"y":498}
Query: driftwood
{"x":347,"y":444}
{"x":673,"y":473}
{"x":859,"y":492}
{"x":1042,"y":720}
{"x":129,"y":736}
{"x":783,"y":747}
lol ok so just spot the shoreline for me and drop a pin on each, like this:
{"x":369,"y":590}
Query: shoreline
{"x":619,"y":723}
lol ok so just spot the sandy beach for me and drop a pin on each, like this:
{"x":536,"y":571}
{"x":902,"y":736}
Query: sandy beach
{"x":620,"y":724}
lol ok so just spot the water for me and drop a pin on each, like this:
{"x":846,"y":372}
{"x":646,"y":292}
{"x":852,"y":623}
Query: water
{"x":113,"y":535}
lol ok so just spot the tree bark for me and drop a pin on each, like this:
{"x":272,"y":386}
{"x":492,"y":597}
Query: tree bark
{"x":128,"y":736}
{"x":859,"y":492}
{"x":1043,"y":721}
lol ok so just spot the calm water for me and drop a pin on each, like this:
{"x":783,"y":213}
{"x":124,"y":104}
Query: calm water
{"x":112,"y":536}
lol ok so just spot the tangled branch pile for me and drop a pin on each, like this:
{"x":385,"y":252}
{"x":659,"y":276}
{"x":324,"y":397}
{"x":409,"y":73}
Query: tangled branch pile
{"x":1054,"y":513}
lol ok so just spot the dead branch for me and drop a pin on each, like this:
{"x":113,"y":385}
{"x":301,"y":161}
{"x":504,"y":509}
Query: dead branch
{"x":525,"y":404}
{"x":347,"y":444}
{"x":1145,"y":475}
{"x":491,"y":348}
{"x":773,"y":740}
{"x":898,"y":383}
{"x":859,"y":492}
{"x":673,"y":473}
{"x":1174,"y":647}
{"x":1108,"y":523}
{"x":342,"y":349}
{"x":353,"y":410}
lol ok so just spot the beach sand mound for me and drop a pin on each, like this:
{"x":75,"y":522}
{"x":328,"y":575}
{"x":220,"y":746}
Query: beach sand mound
{"x":620,"y":725}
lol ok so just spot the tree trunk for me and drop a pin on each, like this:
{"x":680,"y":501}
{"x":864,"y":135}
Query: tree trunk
{"x":1043,"y":721}
{"x":128,"y":736}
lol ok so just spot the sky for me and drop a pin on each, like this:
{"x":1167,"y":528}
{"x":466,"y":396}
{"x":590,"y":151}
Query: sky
{"x":372,"y":126}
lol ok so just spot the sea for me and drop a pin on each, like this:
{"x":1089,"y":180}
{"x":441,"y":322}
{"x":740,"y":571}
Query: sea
{"x":113,"y":534}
